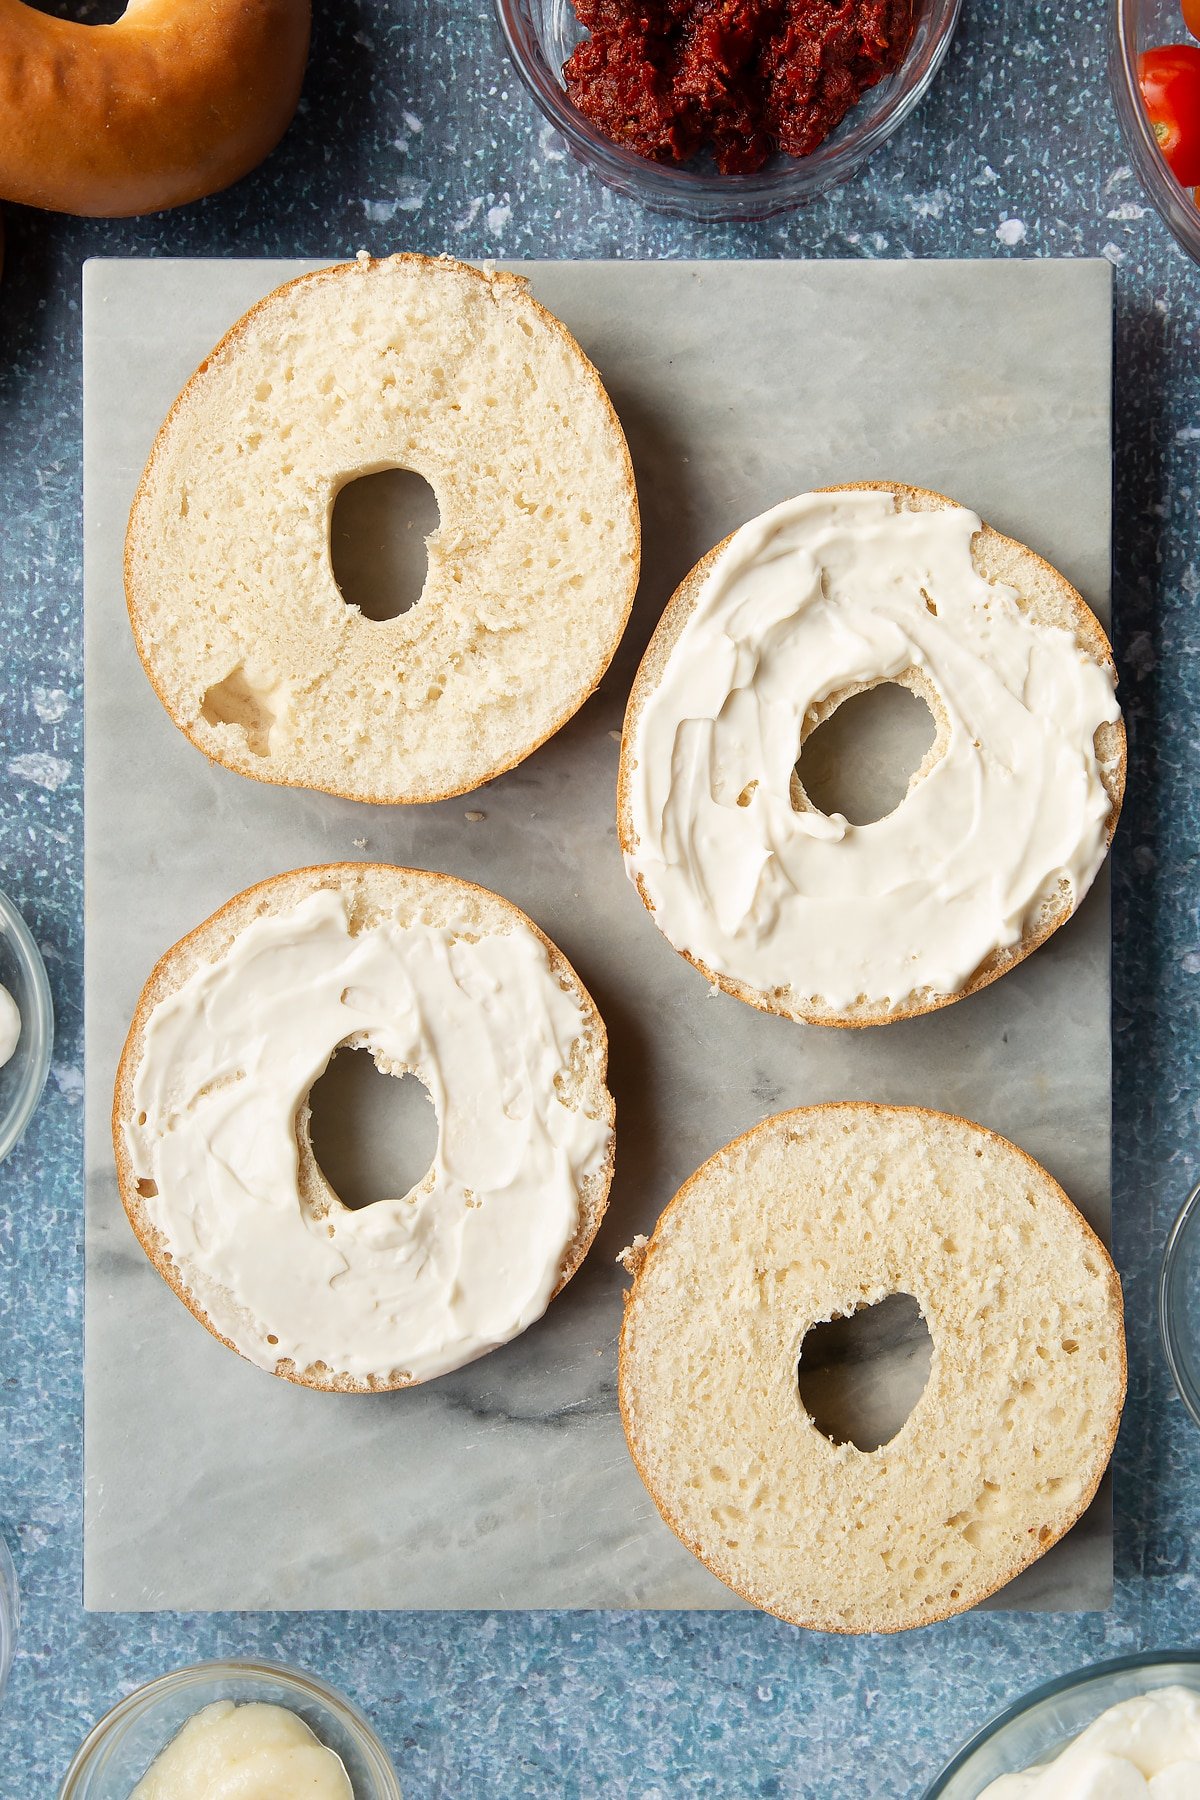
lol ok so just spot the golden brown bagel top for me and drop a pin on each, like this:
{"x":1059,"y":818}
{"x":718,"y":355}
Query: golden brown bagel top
{"x":176,"y":99}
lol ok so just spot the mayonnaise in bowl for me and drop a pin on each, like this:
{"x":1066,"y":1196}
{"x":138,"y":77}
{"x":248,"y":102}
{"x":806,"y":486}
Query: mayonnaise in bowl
{"x":1147,"y":1746}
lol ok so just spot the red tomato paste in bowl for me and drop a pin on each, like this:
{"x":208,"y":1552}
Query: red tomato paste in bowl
{"x":742,"y":78}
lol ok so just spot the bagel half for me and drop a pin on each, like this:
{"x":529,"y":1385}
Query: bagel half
{"x":813,"y":1215}
{"x":414,"y":363}
{"x":373,"y":894}
{"x":1044,"y":595}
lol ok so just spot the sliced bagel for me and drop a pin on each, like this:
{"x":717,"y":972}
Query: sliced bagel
{"x":415,"y":363}
{"x":813,"y":1215}
{"x":435,"y":977}
{"x":1043,"y":597}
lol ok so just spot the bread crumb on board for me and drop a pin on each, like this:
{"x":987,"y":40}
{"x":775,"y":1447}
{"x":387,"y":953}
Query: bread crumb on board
{"x":634,"y":1255}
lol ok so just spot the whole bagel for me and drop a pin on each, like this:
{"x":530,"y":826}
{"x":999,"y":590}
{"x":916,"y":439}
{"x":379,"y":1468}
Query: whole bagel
{"x":174,"y":100}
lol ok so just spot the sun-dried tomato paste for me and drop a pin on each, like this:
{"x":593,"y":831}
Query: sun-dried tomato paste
{"x":743,"y":77}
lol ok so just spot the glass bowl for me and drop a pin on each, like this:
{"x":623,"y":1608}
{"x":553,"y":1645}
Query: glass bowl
{"x":1134,"y":26}
{"x":23,"y":1077}
{"x":1179,"y":1302}
{"x":117,"y":1752}
{"x":1045,"y":1721}
{"x":541,"y":34}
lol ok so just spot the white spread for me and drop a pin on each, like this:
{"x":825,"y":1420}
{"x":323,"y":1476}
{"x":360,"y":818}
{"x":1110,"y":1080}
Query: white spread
{"x":10,"y":1026}
{"x":1149,"y":1745}
{"x":419,"y":1284}
{"x":823,"y":592}
{"x":253,"y":1752}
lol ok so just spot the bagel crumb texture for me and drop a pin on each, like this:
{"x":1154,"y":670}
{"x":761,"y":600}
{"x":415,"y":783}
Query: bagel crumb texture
{"x":414,"y":363}
{"x":811,"y":1216}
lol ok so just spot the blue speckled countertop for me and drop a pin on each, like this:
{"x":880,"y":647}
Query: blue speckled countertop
{"x":413,"y":133}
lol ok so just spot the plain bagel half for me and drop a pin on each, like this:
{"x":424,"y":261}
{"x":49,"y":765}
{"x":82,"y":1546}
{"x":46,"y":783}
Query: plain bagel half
{"x":435,"y":978}
{"x":1004,"y":824}
{"x":813,"y":1215}
{"x":174,"y":100}
{"x":410,"y":362}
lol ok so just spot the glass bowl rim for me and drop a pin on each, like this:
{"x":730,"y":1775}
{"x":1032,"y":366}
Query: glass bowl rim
{"x":193,"y":1674}
{"x":1185,"y":1219}
{"x":1049,"y":1690}
{"x":666,"y":184}
{"x":1169,"y":199}
{"x":39,"y":1025}
{"x":10,"y":1611}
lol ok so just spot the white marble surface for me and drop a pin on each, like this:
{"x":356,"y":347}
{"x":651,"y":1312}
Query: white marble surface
{"x":211,"y":1485}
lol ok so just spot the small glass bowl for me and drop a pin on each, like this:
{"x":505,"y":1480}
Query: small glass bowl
{"x":1179,"y":1302}
{"x":1134,"y":26}
{"x":23,"y":1077}
{"x":1045,"y":1721}
{"x":541,"y":34}
{"x":117,"y":1752}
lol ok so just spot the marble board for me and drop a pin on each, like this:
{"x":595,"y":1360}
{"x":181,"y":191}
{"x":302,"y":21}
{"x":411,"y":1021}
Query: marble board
{"x":209,"y":1485}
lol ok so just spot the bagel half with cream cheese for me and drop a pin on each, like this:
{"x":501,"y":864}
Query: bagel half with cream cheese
{"x":437,"y":978}
{"x":1004,"y":824}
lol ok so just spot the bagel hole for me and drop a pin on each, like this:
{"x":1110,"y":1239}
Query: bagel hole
{"x":374,"y":1135}
{"x":377,"y":541}
{"x":860,"y":760}
{"x":860,"y":1377}
{"x":84,"y":12}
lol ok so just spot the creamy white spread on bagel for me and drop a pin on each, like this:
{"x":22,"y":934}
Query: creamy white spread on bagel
{"x":826,"y":593}
{"x":1144,"y":1748}
{"x":414,"y":1285}
{"x":252,"y":1752}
